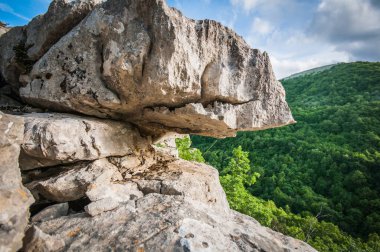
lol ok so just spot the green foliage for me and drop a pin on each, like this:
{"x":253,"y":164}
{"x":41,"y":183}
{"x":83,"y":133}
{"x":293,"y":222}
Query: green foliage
{"x":328,"y":163}
{"x":186,"y":152}
{"x":235,"y":176}
{"x":323,"y":236}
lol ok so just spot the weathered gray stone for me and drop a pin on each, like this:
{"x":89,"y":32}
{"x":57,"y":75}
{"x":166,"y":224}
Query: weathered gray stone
{"x":179,"y":177}
{"x":15,"y":199}
{"x":168,"y":223}
{"x":52,"y":139}
{"x":120,"y":192}
{"x":149,"y":186}
{"x":72,"y":184}
{"x":12,"y":65}
{"x":51,"y":212}
{"x":100,"y":206}
{"x":45,"y":30}
{"x":20,"y":47}
{"x":144,"y":62}
{"x":36,"y":240}
{"x":177,"y":206}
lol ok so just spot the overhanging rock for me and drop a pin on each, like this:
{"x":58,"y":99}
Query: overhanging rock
{"x":143,"y":62}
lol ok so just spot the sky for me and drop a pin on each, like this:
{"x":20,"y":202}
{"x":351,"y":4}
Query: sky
{"x":297,"y":34}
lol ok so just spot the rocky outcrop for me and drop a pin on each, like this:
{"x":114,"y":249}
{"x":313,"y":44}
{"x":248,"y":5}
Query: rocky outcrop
{"x":15,"y":199}
{"x":143,"y":62}
{"x":96,"y":91}
{"x":149,"y":200}
{"x":160,"y":222}
{"x":161,"y":204}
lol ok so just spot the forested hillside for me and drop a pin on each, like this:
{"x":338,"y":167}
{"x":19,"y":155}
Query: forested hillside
{"x":328,"y":164}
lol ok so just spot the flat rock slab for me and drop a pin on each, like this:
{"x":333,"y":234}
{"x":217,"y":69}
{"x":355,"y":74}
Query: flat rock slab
{"x":166,"y":223}
{"x":52,"y":139}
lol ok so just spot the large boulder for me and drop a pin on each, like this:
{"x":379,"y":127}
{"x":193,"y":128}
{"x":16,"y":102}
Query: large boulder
{"x":188,"y":212}
{"x":143,"y":62}
{"x":15,"y":199}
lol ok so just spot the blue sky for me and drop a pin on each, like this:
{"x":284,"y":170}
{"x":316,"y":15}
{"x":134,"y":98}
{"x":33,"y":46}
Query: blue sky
{"x":297,"y":34}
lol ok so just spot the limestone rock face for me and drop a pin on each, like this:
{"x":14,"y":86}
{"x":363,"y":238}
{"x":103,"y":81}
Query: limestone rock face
{"x":11,"y":66}
{"x":15,"y":199}
{"x":21,"y":47}
{"x":149,"y":200}
{"x":36,"y":240}
{"x":143,"y":62}
{"x":62,"y":16}
{"x":72,"y":184}
{"x":49,"y":139}
{"x":152,"y":201}
{"x":166,"y":220}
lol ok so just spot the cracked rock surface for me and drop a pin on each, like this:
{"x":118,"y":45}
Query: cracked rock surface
{"x":48,"y":139}
{"x":143,"y":62}
{"x":172,"y":205}
{"x":149,"y":200}
{"x":15,"y":199}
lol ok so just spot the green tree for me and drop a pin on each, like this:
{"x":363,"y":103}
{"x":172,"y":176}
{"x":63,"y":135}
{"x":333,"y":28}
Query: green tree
{"x":236,"y":176}
{"x":324,"y":236}
{"x":186,"y":152}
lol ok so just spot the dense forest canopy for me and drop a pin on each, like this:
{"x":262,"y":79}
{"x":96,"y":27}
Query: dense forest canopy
{"x":328,"y":164}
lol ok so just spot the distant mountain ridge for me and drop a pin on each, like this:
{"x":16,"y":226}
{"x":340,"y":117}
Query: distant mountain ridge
{"x":311,"y":71}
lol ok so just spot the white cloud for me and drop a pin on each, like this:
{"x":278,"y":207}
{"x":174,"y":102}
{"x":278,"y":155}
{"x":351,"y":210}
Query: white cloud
{"x":247,"y":4}
{"x":336,"y":31}
{"x":292,"y":51}
{"x":353,"y":26}
{"x":261,"y":26}
{"x":8,"y":9}
{"x":284,"y":67}
{"x":346,"y":19}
